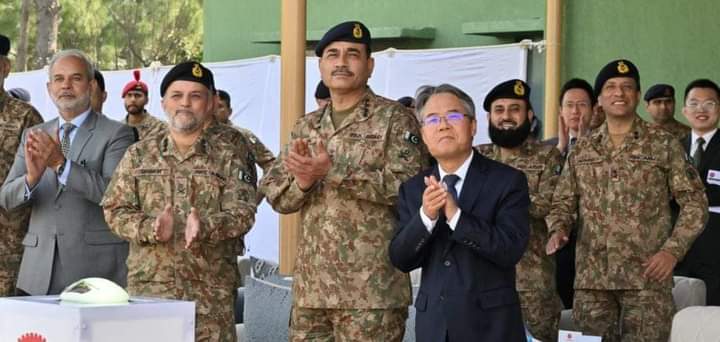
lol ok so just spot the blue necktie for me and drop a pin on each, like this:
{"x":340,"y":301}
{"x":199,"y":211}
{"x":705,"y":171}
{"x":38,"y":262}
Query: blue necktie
{"x":450,"y":181}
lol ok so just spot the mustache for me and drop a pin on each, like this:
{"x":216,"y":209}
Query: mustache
{"x":342,"y":70}
{"x":184,"y":111}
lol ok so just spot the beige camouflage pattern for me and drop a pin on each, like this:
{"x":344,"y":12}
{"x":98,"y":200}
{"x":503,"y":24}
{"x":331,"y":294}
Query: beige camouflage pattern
{"x":622,"y":199}
{"x":229,"y":135}
{"x":149,"y":126}
{"x":348,"y":217}
{"x":675,"y":128}
{"x":646,"y":315}
{"x":261,"y":154}
{"x":535,"y":273}
{"x":542,"y":165}
{"x":541,"y":313}
{"x":371,"y":325}
{"x":15,"y":117}
{"x":211,"y":177}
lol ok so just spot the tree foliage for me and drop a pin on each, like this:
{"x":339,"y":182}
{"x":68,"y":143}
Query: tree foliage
{"x":117,"y":34}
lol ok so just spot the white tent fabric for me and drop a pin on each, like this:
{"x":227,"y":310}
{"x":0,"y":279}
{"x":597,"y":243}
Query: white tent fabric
{"x":254,"y":85}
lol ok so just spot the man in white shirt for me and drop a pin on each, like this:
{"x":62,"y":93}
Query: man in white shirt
{"x":702,"y":110}
{"x":465,"y":222}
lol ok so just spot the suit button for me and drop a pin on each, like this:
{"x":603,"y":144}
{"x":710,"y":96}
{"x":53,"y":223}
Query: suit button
{"x":447,"y":263}
{"x":442,"y":298}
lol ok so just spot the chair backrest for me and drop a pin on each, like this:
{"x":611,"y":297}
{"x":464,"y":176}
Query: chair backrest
{"x":688,"y":292}
{"x":696,"y":324}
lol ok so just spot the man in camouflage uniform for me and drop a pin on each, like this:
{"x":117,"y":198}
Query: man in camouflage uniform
{"x":262,"y":156}
{"x":15,"y":117}
{"x":135,"y":97}
{"x":178,"y":198}
{"x":619,"y":181}
{"x":660,"y":104}
{"x":341,"y":172}
{"x":509,"y":117}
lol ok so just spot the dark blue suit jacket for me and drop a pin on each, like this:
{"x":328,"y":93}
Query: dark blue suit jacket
{"x":703,"y":259}
{"x":467,"y":292}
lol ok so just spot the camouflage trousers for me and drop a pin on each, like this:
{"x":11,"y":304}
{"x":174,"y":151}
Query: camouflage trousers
{"x":541,"y":313}
{"x":625,"y":315}
{"x":9,"y":267}
{"x":214,"y":306}
{"x":344,"y":325}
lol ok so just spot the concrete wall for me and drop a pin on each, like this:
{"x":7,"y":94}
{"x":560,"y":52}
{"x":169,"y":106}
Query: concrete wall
{"x":670,"y":41}
{"x":233,"y":26}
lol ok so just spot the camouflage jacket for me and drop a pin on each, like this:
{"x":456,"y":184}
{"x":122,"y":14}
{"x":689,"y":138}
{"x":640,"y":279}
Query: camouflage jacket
{"x":347,"y":218}
{"x":150,"y":125}
{"x":212,"y":178}
{"x":261,"y":154}
{"x":675,"y":128}
{"x":15,"y":117}
{"x":622,"y":197}
{"x":542,"y":165}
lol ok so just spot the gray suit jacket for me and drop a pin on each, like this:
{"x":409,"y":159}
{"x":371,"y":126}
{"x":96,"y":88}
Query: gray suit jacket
{"x":68,"y":238}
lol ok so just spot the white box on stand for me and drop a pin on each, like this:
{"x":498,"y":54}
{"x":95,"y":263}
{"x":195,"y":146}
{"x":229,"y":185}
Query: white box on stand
{"x":46,"y":319}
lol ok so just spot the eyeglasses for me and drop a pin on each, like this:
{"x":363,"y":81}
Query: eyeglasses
{"x":579,"y":105}
{"x":707,"y":106}
{"x":452,"y":118}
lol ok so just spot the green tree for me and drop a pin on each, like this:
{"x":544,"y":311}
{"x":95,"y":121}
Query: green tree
{"x":117,"y":34}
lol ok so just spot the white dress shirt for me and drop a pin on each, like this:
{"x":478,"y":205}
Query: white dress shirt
{"x":460,"y":172}
{"x":77,"y":121}
{"x":694,"y":136}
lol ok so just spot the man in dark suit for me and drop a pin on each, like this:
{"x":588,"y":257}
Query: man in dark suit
{"x":577,"y":111}
{"x":60,"y":171}
{"x":466,"y":233}
{"x":702,"y":110}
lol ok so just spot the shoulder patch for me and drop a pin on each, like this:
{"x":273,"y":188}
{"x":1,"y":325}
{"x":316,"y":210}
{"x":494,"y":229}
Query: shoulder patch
{"x":246,"y":177}
{"x":411,"y":138}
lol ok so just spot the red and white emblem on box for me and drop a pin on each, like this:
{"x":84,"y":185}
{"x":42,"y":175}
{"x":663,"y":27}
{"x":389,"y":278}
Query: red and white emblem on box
{"x":31,"y":337}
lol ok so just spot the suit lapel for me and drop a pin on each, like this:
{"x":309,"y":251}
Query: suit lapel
{"x":711,"y":151}
{"x":474,"y":180}
{"x":83,"y":135}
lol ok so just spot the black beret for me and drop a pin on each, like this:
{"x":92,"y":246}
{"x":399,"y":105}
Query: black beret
{"x":349,"y":31}
{"x":100,"y":80}
{"x":4,"y":45}
{"x":322,"y":91}
{"x":659,"y":90}
{"x":511,"y":89}
{"x":616,"y":68}
{"x":188,"y":71}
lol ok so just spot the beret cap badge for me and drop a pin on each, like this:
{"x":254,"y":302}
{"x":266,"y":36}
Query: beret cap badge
{"x":622,"y":67}
{"x":197,"y":71}
{"x":357,"y":31}
{"x":519,"y":89}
